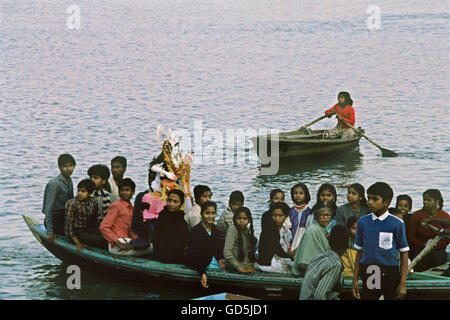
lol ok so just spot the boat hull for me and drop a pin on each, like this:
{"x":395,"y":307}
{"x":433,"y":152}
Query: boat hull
{"x":295,"y":144}
{"x":269,"y":284}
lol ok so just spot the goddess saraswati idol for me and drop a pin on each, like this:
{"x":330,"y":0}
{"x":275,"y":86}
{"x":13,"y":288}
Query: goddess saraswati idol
{"x":170,"y":169}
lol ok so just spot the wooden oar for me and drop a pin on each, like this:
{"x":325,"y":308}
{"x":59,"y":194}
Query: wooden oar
{"x":441,"y":234}
{"x":384,"y":152}
{"x":317,"y":120}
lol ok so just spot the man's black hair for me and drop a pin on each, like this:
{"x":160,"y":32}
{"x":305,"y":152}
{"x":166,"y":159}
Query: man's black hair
{"x":88,"y":184}
{"x":121,"y":160}
{"x":381,"y":189}
{"x":338,"y":239}
{"x":127,"y":182}
{"x":199,"y":190}
{"x":236,"y":196}
{"x":99,"y":170}
{"x":64,"y":159}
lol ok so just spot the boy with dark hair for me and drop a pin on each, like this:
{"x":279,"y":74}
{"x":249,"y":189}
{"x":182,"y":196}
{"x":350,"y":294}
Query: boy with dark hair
{"x":118,"y":168}
{"x":116,"y":227}
{"x":323,"y":276}
{"x":226,"y":219}
{"x":81,"y":218}
{"x":99,"y":174}
{"x":380,"y":237}
{"x":57,"y":191}
{"x":202,"y":194}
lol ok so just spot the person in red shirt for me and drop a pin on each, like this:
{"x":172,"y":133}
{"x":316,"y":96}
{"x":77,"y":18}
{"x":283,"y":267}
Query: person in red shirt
{"x":343,"y":110}
{"x":418,"y":235}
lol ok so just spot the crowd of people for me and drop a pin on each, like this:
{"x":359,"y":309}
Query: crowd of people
{"x":320,"y":242}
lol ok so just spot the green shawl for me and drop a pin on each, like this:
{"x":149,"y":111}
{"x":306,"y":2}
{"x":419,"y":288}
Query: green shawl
{"x":313,"y":243}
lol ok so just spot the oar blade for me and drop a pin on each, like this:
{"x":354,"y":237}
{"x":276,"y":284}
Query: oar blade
{"x":388,"y":153}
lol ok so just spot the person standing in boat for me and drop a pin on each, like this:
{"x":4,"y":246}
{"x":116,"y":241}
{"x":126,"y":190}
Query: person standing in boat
{"x":57,"y":192}
{"x":343,"y":110}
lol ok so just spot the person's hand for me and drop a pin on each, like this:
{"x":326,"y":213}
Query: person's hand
{"x":51,"y":237}
{"x":401,"y":290}
{"x":204,"y":281}
{"x":170,"y":176}
{"x":292,"y":254}
{"x":355,"y":289}
{"x":247,"y":270}
{"x":124,"y":246}
{"x":222,"y":264}
{"x":338,"y":116}
{"x":80,"y":247}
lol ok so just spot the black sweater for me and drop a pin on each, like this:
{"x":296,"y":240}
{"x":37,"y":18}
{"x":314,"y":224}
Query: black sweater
{"x":171,"y":237}
{"x":203,"y":247}
{"x":269,"y":244}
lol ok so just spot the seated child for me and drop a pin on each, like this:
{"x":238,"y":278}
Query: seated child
{"x":273,"y":248}
{"x":240,"y":242}
{"x":356,"y":206}
{"x":327,"y":193}
{"x":323,"y":277}
{"x":148,"y":205}
{"x":202,"y":194}
{"x":380,"y":237}
{"x":226,"y":219}
{"x":99,"y":173}
{"x":57,"y":192}
{"x":348,"y":258}
{"x":300,"y":215}
{"x":81,"y":216}
{"x":276,"y":195}
{"x":170,"y":239}
{"x":204,"y":247}
{"x":404,"y":204}
{"x":116,"y":226}
{"x":315,"y":240}
{"x":419,"y":236}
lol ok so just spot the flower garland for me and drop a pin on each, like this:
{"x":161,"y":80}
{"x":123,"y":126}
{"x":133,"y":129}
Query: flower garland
{"x":183,"y":172}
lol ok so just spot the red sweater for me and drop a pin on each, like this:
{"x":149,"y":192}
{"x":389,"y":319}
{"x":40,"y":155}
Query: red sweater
{"x":419,"y":235}
{"x":117,"y":223}
{"x":348,"y":113}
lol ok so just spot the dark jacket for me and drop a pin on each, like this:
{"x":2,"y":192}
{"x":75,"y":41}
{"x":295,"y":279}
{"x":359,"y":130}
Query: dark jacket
{"x":203,"y":247}
{"x":170,"y":238}
{"x":266,"y":218}
{"x":269,"y":244}
{"x":138,"y":226}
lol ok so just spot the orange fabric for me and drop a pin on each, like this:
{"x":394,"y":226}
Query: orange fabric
{"x":348,"y":113}
{"x":117,"y":222}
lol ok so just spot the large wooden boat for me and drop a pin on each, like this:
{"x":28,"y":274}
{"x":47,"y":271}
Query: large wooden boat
{"x":302,"y":143}
{"x":144,"y":269}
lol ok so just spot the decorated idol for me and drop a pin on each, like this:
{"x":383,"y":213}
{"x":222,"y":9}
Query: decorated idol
{"x":171,"y":170}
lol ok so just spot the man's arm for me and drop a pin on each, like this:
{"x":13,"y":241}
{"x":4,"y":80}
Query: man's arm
{"x":48,"y":208}
{"x":355,"y":288}
{"x":401,"y":289}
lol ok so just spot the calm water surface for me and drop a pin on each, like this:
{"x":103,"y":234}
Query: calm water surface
{"x":101,"y":91}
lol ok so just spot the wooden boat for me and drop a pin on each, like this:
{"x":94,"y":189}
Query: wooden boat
{"x":305,"y":143}
{"x":272,"y":284}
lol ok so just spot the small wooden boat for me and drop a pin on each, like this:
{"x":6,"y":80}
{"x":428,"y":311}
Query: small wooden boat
{"x":305,"y":143}
{"x":273,"y":284}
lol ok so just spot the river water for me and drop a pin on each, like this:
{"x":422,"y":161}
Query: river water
{"x":101,"y":90}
